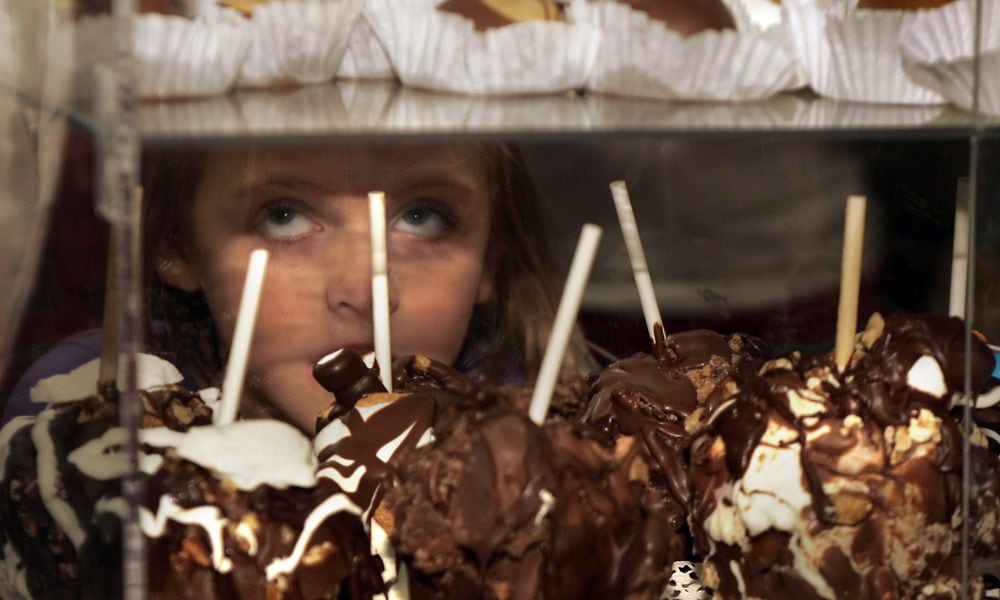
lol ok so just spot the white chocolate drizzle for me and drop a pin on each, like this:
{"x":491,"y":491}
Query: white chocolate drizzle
{"x":385,"y":452}
{"x":207,"y":517}
{"x":13,"y":579}
{"x":49,"y":483}
{"x":548,"y":503}
{"x":101,"y":458}
{"x":332,"y":505}
{"x":348,"y":484}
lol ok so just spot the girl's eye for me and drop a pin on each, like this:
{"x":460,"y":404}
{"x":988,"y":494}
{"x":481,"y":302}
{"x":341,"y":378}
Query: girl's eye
{"x":423,"y":220}
{"x":285,"y":222}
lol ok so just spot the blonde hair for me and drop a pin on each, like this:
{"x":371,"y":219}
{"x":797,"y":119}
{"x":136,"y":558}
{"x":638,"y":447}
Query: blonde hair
{"x":507,"y":334}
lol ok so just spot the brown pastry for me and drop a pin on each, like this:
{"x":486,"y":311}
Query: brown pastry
{"x":490,"y":14}
{"x":687,"y":17}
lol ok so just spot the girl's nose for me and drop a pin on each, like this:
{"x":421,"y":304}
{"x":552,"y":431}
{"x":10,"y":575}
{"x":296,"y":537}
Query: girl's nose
{"x":349,"y":285}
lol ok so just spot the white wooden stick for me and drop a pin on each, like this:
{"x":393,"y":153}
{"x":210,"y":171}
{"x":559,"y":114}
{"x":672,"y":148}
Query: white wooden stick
{"x":380,"y":288}
{"x":236,"y":367}
{"x":850,"y":279}
{"x":562,"y":328}
{"x":636,"y":255}
{"x":960,"y":251}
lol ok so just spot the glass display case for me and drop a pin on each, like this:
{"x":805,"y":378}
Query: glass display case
{"x":127,"y":225}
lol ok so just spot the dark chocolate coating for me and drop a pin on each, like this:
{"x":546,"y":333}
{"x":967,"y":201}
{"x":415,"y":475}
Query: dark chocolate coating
{"x":471,"y":519}
{"x":652,"y":396}
{"x":349,"y":379}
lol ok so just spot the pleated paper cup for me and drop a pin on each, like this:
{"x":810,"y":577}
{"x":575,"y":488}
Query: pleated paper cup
{"x":640,"y":56}
{"x":443,"y":51}
{"x":854,"y":55}
{"x":298,"y":41}
{"x":178,"y":58}
{"x":938,"y":52}
{"x":365,"y":57}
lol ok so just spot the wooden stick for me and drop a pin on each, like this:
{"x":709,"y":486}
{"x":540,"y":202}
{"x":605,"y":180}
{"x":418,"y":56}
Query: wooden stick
{"x":850,"y":279}
{"x":562,"y":328}
{"x":239,"y":352}
{"x":380,"y":288}
{"x":960,"y":251}
{"x":636,"y":256}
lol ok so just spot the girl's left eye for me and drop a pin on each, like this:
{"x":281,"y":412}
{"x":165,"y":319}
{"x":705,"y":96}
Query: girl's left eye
{"x":285,"y":222}
{"x":423,"y":220}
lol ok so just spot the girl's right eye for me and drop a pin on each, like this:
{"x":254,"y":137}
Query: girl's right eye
{"x":284,"y":222}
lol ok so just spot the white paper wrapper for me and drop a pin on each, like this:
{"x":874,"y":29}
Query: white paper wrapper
{"x":419,"y":110}
{"x":365,"y":57}
{"x":177,"y":57}
{"x":442,"y":51}
{"x":639,"y":56}
{"x":854,"y":55}
{"x":938,"y":52}
{"x":298,"y":41}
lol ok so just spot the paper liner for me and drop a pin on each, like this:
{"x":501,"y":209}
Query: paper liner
{"x":938,"y":52}
{"x":298,"y":41}
{"x":365,"y":57}
{"x":639,"y":56}
{"x":854,"y":56}
{"x":442,"y":51}
{"x":177,"y":57}
{"x":685,"y":583}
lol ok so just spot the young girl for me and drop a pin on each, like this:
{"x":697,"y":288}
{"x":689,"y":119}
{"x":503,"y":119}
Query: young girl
{"x":471,"y":281}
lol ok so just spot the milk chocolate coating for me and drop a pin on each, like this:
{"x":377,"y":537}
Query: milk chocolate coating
{"x":652,"y":396}
{"x":890,"y":532}
{"x":472,"y":519}
{"x":687,"y":17}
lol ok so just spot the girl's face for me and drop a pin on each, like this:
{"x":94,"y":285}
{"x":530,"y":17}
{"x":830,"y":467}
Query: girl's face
{"x":309,"y":208}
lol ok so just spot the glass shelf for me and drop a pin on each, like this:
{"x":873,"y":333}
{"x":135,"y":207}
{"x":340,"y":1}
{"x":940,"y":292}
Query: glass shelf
{"x":383,"y":108}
